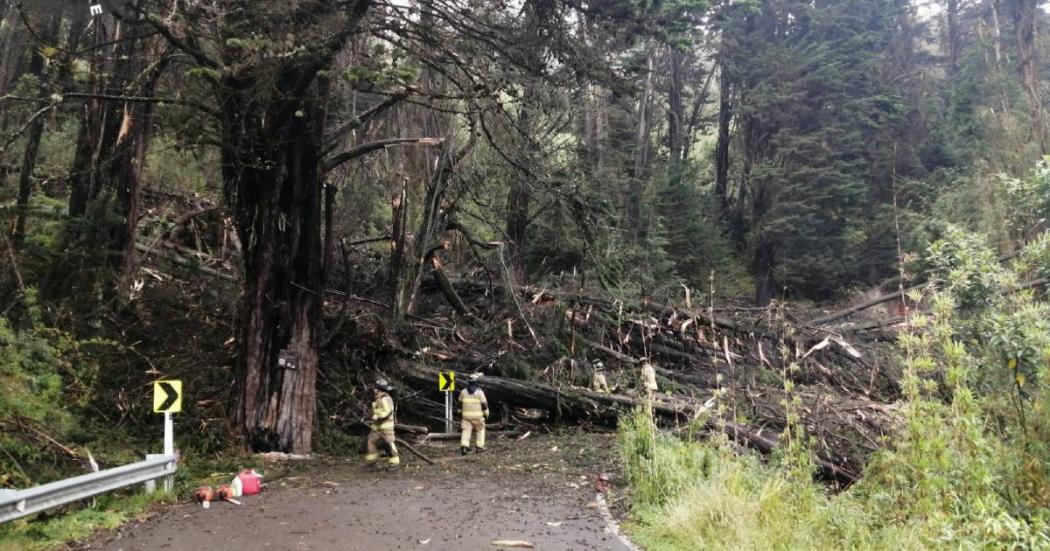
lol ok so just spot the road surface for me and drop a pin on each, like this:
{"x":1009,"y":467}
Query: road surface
{"x":540,"y":492}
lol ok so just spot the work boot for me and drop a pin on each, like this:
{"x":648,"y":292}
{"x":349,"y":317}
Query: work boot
{"x":463,"y":450}
{"x":478,"y":450}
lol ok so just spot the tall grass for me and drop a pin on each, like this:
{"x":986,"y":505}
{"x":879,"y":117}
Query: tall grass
{"x":688,"y":495}
{"x":969,"y":468}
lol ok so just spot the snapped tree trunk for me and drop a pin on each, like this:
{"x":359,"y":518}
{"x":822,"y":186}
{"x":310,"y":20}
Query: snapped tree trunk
{"x":129,"y":160}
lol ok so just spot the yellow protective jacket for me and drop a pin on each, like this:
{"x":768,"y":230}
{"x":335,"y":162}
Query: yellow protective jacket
{"x":599,"y":384}
{"x":474,"y":406}
{"x":383,"y":413}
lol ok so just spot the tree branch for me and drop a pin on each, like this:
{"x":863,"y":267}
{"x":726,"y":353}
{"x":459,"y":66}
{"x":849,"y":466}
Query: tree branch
{"x":366,"y":117}
{"x":367,"y":148}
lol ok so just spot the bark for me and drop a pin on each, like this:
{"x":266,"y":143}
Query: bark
{"x":446,"y":287}
{"x":129,"y":160}
{"x":1024,"y":14}
{"x":95,"y":134}
{"x":954,"y":42}
{"x":410,"y":256}
{"x":330,"y":191}
{"x":519,"y":195}
{"x":37,"y":68}
{"x":642,"y":149}
{"x":518,"y":222}
{"x":763,"y":247}
{"x":676,"y":122}
{"x":12,"y":38}
{"x":277,"y":211}
{"x":997,"y":40}
{"x":725,"y":118}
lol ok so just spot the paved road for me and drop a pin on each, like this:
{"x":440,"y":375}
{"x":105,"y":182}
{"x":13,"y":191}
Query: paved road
{"x":462,"y":505}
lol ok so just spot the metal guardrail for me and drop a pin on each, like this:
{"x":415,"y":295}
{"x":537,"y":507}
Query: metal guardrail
{"x":19,"y":503}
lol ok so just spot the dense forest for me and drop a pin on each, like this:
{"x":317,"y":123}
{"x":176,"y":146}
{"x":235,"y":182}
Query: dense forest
{"x":194,"y":188}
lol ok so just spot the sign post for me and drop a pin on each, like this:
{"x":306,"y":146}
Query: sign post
{"x":167,"y":399}
{"x":447,"y":384}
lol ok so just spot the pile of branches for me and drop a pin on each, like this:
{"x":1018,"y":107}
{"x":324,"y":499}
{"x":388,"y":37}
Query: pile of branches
{"x":723,"y":369}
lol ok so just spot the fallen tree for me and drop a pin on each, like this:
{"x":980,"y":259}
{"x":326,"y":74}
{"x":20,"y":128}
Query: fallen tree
{"x":575,"y":404}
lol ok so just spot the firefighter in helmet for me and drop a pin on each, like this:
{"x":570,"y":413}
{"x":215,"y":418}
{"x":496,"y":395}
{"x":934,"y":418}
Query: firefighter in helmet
{"x":382,"y":424}
{"x":598,"y":383}
{"x":474,"y":410}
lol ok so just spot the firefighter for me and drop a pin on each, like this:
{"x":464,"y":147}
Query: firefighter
{"x":598,"y":383}
{"x":474,"y":410}
{"x":649,"y":380}
{"x":382,"y":424}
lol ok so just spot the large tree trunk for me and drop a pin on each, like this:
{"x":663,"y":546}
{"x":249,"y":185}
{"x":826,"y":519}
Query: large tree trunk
{"x":518,"y":224}
{"x":642,"y":148}
{"x":676,"y":123}
{"x":131,"y":159}
{"x":1024,"y":15}
{"x":763,"y":245}
{"x":36,"y":129}
{"x":277,"y":210}
{"x":725,"y":118}
{"x":12,"y":37}
{"x":954,"y":38}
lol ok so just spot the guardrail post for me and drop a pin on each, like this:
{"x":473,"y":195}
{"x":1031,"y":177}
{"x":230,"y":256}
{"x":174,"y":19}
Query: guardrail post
{"x":150,"y":486}
{"x":169,"y":448}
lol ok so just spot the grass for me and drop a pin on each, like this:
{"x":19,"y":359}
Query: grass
{"x":688,"y":495}
{"x":109,"y":511}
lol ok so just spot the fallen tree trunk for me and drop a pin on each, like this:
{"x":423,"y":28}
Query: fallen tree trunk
{"x":575,"y":404}
{"x":443,"y":436}
{"x":415,"y":452}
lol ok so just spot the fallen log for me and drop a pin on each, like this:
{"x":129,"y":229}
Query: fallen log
{"x":415,"y":452}
{"x":443,"y":436}
{"x":411,"y":429}
{"x":184,"y":262}
{"x":572,"y":404}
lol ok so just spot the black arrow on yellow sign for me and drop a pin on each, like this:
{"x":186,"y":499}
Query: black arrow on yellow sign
{"x":171,"y":395}
{"x":447,"y":381}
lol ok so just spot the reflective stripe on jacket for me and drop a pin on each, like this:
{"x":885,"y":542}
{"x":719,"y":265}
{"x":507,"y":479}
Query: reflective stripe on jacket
{"x":383,"y":413}
{"x":475,"y":406}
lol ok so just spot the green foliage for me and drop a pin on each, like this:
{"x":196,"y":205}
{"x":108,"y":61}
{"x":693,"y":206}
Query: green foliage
{"x":109,"y":511}
{"x":812,"y":114}
{"x":180,"y":170}
{"x":1029,"y":198}
{"x":702,"y":495}
{"x":968,"y":467}
{"x":969,"y":265}
{"x":46,"y":379}
{"x":1036,"y":256}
